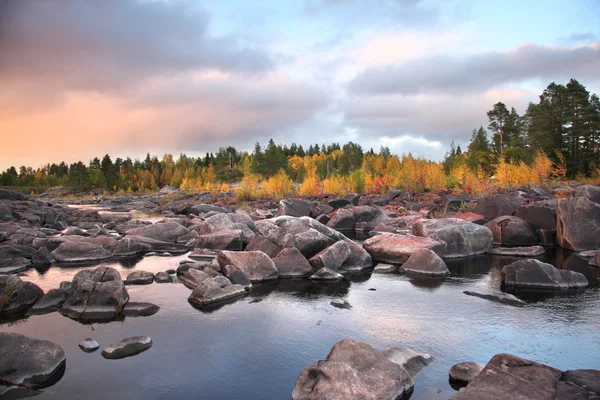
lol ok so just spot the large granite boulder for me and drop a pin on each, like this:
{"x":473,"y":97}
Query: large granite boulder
{"x":221,"y":240}
{"x":540,"y":215}
{"x":332,"y":257}
{"x":507,"y":376}
{"x":129,"y":246}
{"x":42,"y":257}
{"x":578,"y":224}
{"x":12,"y":195}
{"x":368,"y":217}
{"x":425,"y":263}
{"x":163,"y":231}
{"x":193,"y":277}
{"x":80,"y":252}
{"x":462,"y":238}
{"x":294,"y":207}
{"x":28,"y":362}
{"x":396,"y":249}
{"x":96,"y":294}
{"x":256,"y":265}
{"x":512,"y":231}
{"x":229,"y":222}
{"x":589,"y":191}
{"x":358,"y":260}
{"x":292,"y":264}
{"x":353,"y":370}
{"x":497,"y":206}
{"x":237,"y":277}
{"x":342,"y":220}
{"x":17,"y":296}
{"x":215,"y":290}
{"x":534,"y":274}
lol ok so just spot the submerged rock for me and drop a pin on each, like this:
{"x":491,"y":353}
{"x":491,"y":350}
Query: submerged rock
{"x":534,"y":274}
{"x":502,"y":298}
{"x":465,"y":372}
{"x":127,"y":347}
{"x":530,"y":251}
{"x":29,"y":362}
{"x":139,"y":309}
{"x":89,"y":345}
{"x":353,"y":370}
{"x":426,"y":263}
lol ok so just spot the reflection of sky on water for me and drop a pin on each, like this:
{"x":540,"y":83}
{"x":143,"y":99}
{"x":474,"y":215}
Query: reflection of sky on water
{"x":255,"y":350}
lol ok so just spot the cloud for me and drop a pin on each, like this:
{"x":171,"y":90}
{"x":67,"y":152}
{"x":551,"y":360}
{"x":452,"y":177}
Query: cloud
{"x":446,"y":73}
{"x":577,"y":38}
{"x":113,"y":44}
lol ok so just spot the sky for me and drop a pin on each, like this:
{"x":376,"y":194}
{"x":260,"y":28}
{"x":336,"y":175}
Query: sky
{"x":84,"y":78}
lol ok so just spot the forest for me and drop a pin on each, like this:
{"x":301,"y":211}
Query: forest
{"x":557,"y":139}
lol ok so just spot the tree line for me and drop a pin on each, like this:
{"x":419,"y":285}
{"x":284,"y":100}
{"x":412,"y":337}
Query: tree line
{"x":558,"y":137}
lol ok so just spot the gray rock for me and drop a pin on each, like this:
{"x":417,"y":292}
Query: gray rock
{"x":425,"y":262}
{"x":502,"y":298}
{"x":396,"y":249}
{"x":42,"y":257}
{"x":17,"y":296}
{"x":412,"y":361}
{"x":199,"y":209}
{"x":222,"y":240}
{"x":332,"y":257}
{"x":342,"y":220}
{"x":358,"y":260}
{"x":595,"y":262}
{"x":139,"y":278}
{"x":338,"y":202}
{"x":530,"y":251}
{"x":512,"y":231}
{"x":12,"y":195}
{"x":340,"y":303}
{"x":325,"y":274}
{"x":74,"y":231}
{"x":139,"y":309}
{"x":497,"y":206}
{"x":193,"y":277}
{"x":89,"y":345}
{"x":462,"y":238}
{"x":368,"y":217}
{"x":237,"y":276}
{"x":578,"y":222}
{"x":534,"y":274}
{"x":465,"y":372}
{"x":353,"y":370}
{"x":292,"y":264}
{"x":215,"y":290}
{"x":589,"y":191}
{"x":129,"y":246}
{"x":77,"y":252}
{"x":541,"y":215}
{"x":29,"y":362}
{"x":294,"y":208}
{"x":256,"y":265}
{"x":50,"y":302}
{"x":12,"y":263}
{"x":96,"y":294}
{"x":163,"y":277}
{"x":165,"y":231}
{"x":127,"y":347}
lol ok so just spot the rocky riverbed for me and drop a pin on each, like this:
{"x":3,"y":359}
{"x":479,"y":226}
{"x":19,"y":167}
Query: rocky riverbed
{"x":297,"y":255}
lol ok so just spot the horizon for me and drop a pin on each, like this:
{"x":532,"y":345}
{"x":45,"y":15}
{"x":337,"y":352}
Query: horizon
{"x":131,"y":77}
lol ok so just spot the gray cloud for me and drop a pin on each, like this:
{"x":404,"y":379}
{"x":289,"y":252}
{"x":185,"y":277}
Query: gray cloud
{"x":469,"y":73}
{"x":577,"y":38}
{"x":111,"y":44}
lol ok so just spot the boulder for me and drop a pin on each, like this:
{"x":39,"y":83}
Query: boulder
{"x":222,"y":240}
{"x":464,"y":372}
{"x":368,"y":217}
{"x":426,"y":263}
{"x":342,"y":220}
{"x":50,"y":302}
{"x":325,"y":274}
{"x":530,"y":251}
{"x":139,"y":278}
{"x":199,"y":209}
{"x":256,"y":265}
{"x":353,"y":370}
{"x":237,"y":277}
{"x":396,"y":249}
{"x":317,"y":209}
{"x":509,"y":376}
{"x":12,"y":195}
{"x":96,"y":294}
{"x":89,"y":345}
{"x":163,"y":231}
{"x":502,"y":298}
{"x":332,"y":257}
{"x":193,"y":277}
{"x":229,"y":222}
{"x":42,"y":257}
{"x":294,"y":207}
{"x":129,"y":246}
{"x":358,"y":260}
{"x":541,"y":215}
{"x":5,"y":213}
{"x":261,"y":243}
{"x":497,"y":206}
{"x":589,"y":191}
{"x":578,"y":224}
{"x":11,"y":263}
{"x":534,"y":274}
{"x":462,"y":238}
{"x":127,"y":347}
{"x":74,"y":231}
{"x":338,"y":202}
{"x":512,"y":231}
{"x":215,"y":290}
{"x":17,"y":296}
{"x":163,"y":277}
{"x":79,"y":252}
{"x":292,"y":264}
{"x":139,"y":309}
{"x":29,"y":362}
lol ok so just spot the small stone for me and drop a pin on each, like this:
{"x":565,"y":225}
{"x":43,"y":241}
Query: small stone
{"x":166,"y":254}
{"x":385,"y":268}
{"x":89,"y":345}
{"x":152,"y":253}
{"x":127,"y":347}
{"x":339,"y":303}
{"x":163,"y":277}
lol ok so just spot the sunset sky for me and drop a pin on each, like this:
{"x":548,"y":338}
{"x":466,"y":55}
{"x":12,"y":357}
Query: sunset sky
{"x":79,"y":79}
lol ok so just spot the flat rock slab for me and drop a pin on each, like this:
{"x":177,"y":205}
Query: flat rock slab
{"x":502,"y":298}
{"x":529,"y":251}
{"x":135,"y":309}
{"x":534,"y":274}
{"x":25,"y":361}
{"x":396,"y":249}
{"x":127,"y":347}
